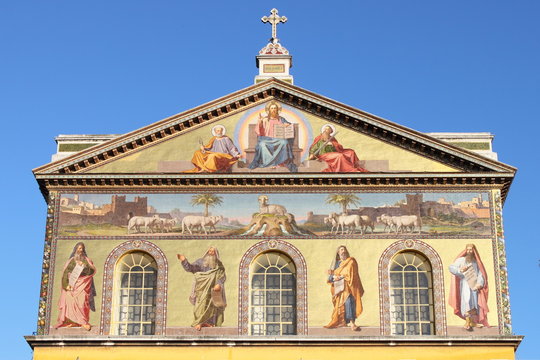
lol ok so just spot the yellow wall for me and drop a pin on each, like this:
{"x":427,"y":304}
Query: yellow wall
{"x":277,"y":352}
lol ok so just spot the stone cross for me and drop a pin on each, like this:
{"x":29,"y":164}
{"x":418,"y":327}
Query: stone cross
{"x":274,"y":19}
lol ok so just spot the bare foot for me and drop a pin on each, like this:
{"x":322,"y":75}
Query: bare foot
{"x":87,"y":327}
{"x":198,"y":327}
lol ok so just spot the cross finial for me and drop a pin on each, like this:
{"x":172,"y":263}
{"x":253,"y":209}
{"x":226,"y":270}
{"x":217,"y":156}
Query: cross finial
{"x":274,"y":19}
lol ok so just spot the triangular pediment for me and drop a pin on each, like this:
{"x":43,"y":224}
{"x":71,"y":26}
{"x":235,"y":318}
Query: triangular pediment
{"x":361,"y":142}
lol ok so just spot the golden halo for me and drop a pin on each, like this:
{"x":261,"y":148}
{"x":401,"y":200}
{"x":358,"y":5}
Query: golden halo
{"x":219,"y":126}
{"x":331,"y":126}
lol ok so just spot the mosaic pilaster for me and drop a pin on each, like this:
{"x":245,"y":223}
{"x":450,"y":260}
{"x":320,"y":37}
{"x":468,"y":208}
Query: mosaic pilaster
{"x":505,"y":318}
{"x":46,"y":265}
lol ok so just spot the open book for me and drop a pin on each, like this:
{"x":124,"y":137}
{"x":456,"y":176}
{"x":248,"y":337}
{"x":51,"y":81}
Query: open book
{"x":470,"y":277}
{"x":75,"y":273}
{"x":283,"y":131}
{"x":217,"y":299}
{"x":339,"y":286}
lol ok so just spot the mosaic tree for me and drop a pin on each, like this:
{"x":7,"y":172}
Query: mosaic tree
{"x":344,"y":200}
{"x":208,"y":200}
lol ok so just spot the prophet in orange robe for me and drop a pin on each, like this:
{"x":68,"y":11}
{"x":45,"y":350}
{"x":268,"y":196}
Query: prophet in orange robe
{"x":348,"y":302}
{"x":217,"y":156}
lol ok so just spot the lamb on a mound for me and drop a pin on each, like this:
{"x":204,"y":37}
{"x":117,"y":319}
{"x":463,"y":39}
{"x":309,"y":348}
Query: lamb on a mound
{"x":272,"y":220}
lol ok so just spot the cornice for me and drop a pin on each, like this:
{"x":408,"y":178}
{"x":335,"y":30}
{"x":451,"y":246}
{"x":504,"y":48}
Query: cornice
{"x":171,"y":182}
{"x":244,"y":341}
{"x":273,"y":175}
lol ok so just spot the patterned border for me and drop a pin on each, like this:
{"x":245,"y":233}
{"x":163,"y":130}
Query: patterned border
{"x":108,"y":276}
{"x":301,"y":283}
{"x":43,"y":322}
{"x":277,"y":189}
{"x":356,"y":236}
{"x":438,"y":282}
{"x":503,"y":296}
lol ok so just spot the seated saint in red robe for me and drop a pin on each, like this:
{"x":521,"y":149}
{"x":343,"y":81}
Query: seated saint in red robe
{"x":326,"y":148}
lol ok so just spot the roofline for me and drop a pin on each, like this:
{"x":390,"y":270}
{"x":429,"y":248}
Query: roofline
{"x":263,"y":92}
{"x":157,"y":124}
{"x":403,"y":128}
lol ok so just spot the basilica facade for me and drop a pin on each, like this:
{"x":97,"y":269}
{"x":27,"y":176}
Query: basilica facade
{"x":275,"y":222}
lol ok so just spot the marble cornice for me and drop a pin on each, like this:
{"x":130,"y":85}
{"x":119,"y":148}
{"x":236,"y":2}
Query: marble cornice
{"x":243,"y":181}
{"x":244,"y":341}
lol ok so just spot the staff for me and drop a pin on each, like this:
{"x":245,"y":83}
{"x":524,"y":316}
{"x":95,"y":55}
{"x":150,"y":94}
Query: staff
{"x":315,"y":153}
{"x":203,"y":150}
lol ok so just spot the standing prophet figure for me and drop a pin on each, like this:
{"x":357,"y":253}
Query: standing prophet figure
{"x":346,"y":289}
{"x":469,"y":288}
{"x":78,"y":290}
{"x":208,"y":290}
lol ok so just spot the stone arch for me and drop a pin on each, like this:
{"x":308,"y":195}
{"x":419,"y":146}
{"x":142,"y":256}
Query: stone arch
{"x":439,"y":305}
{"x":301,"y":282}
{"x":108,"y":281}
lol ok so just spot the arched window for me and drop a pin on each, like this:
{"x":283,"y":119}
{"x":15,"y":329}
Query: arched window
{"x":134,"y":295}
{"x":253,"y":263}
{"x":134,"y":283}
{"x":272,"y":305}
{"x":411,"y":295}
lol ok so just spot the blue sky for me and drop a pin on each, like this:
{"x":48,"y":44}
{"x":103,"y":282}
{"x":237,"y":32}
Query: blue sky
{"x":72,"y":67}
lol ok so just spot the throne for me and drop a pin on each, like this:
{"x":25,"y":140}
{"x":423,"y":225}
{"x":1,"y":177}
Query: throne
{"x":252,"y":142}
